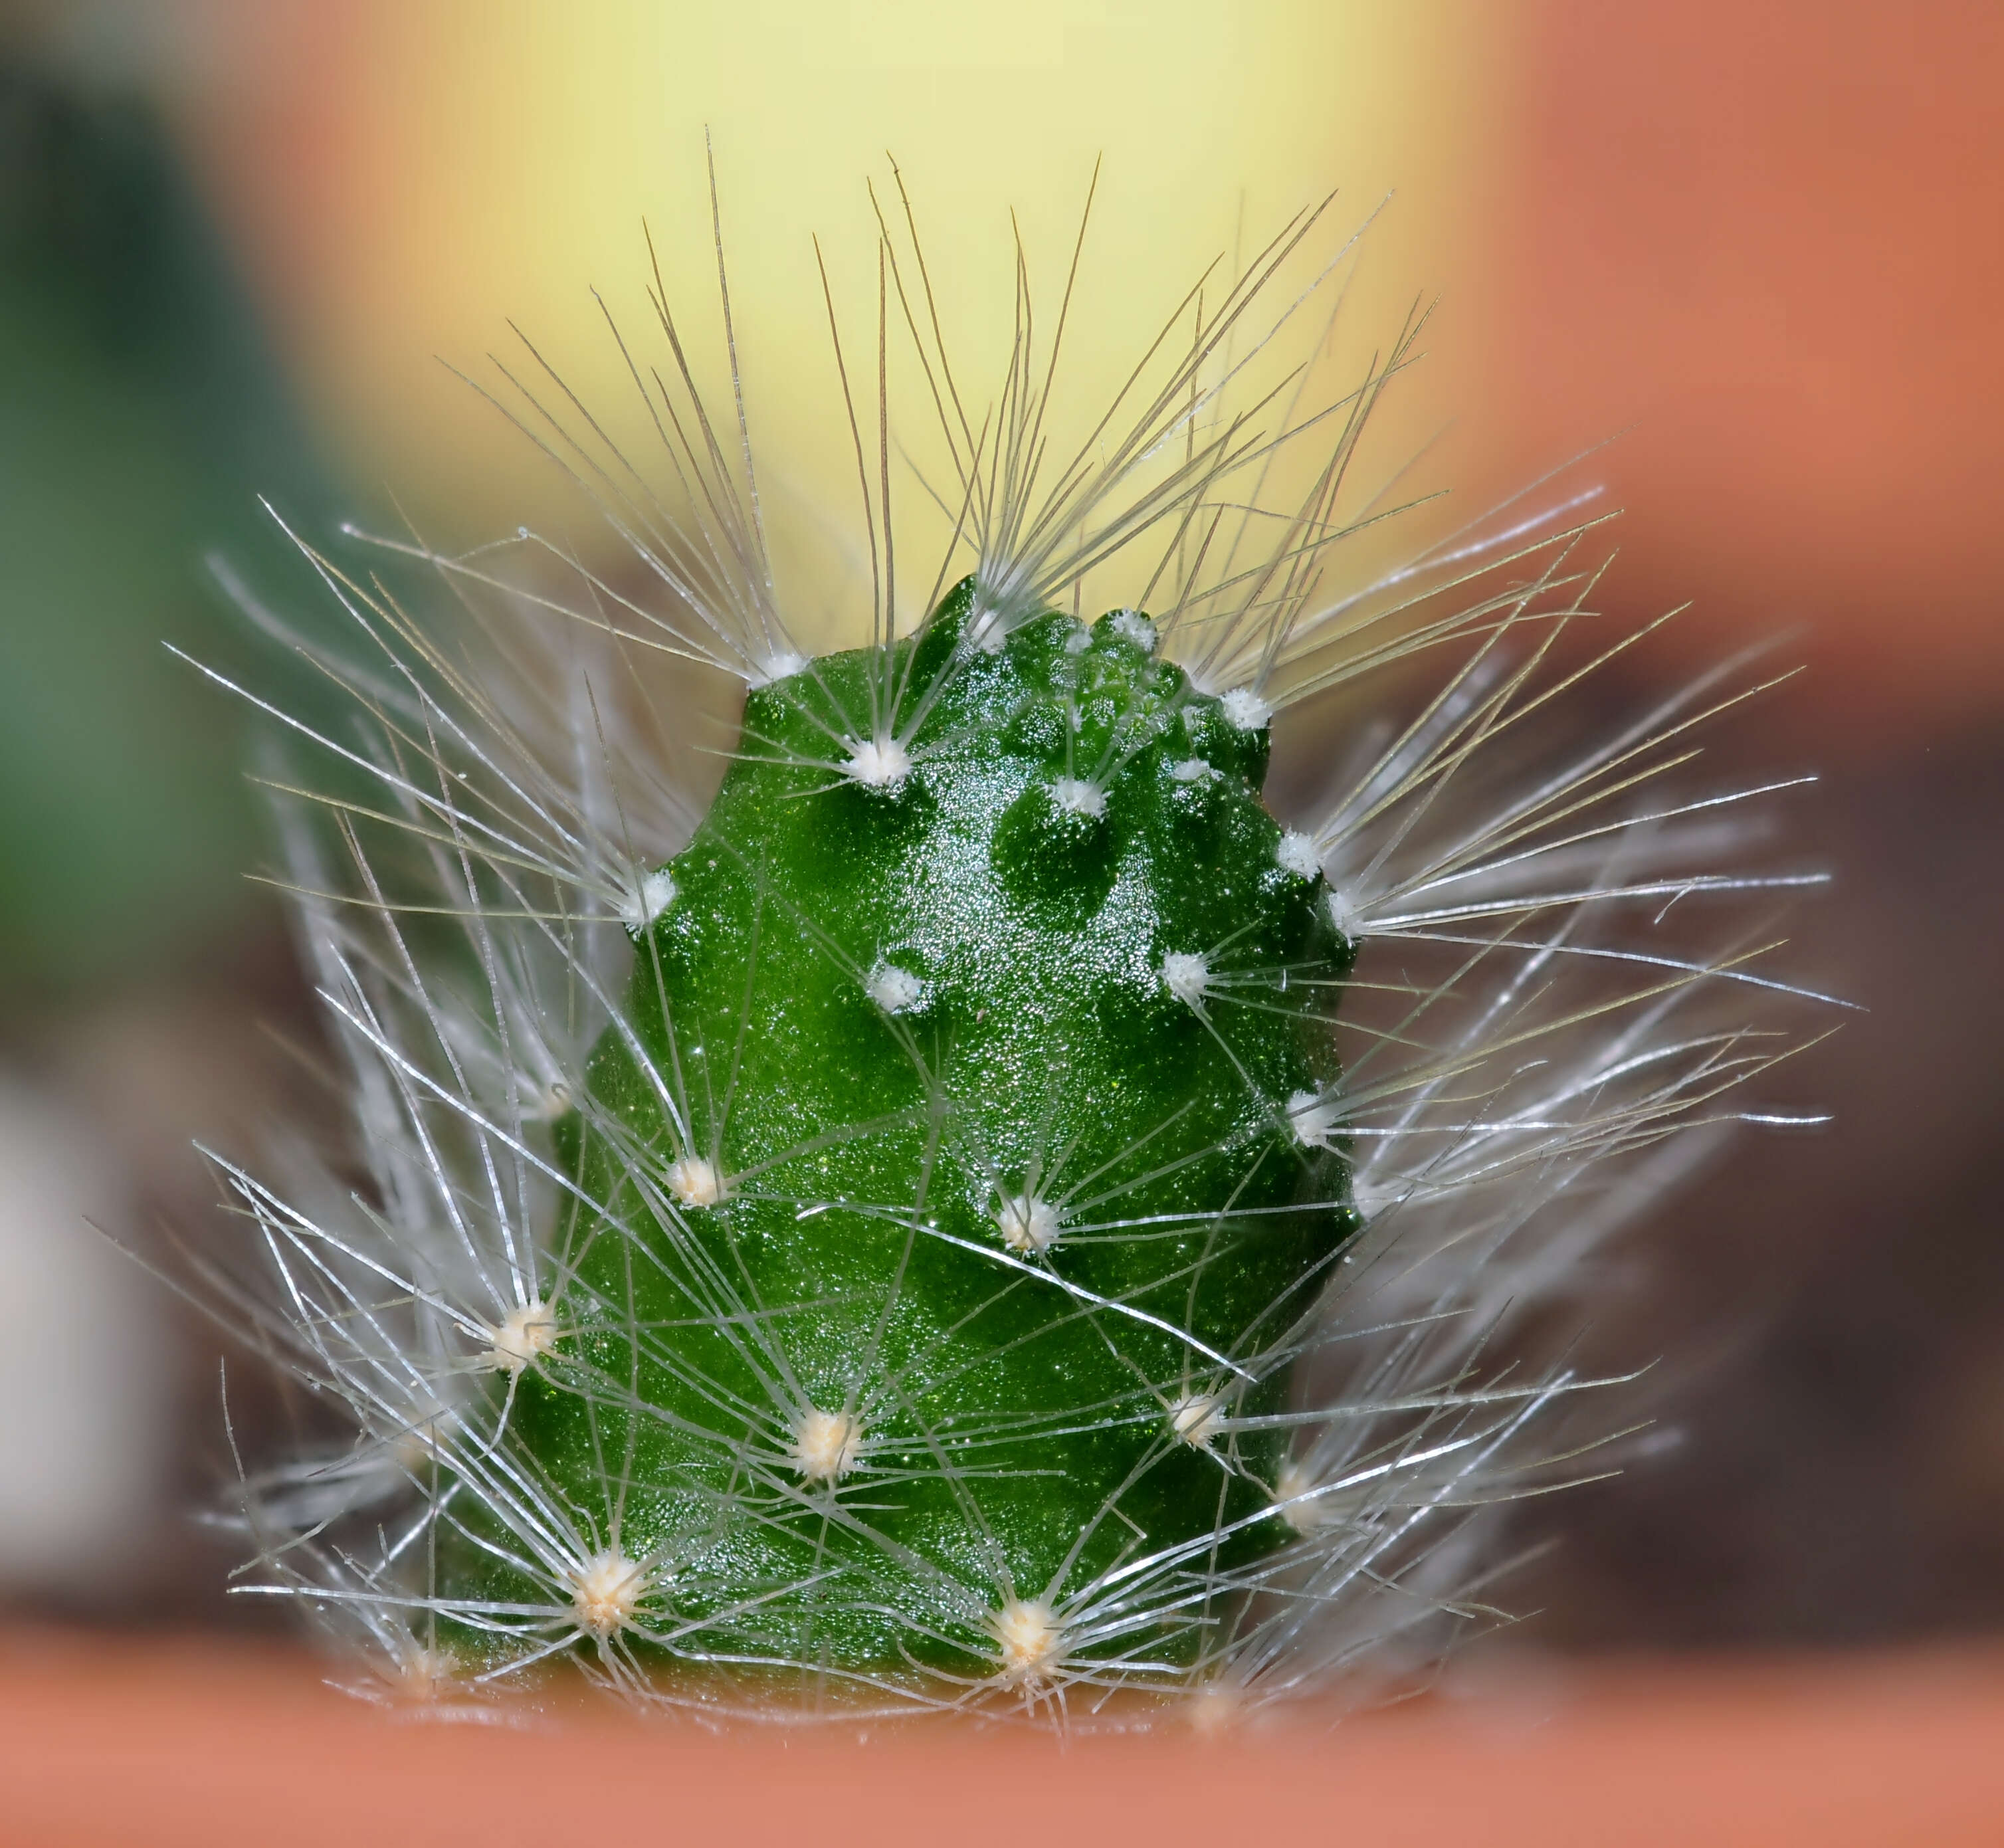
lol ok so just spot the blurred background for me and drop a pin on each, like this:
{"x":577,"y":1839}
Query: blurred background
{"x":1753,"y":249}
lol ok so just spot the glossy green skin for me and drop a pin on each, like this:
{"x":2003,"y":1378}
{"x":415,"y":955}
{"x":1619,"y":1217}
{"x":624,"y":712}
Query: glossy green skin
{"x":1004,"y":1419}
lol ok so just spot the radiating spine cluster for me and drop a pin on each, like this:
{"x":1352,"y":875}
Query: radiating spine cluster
{"x":908,"y":1239}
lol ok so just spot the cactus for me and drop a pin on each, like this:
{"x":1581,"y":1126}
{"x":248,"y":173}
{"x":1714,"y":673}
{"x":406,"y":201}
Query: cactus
{"x":1011,"y":1008}
{"x":908,"y":1238}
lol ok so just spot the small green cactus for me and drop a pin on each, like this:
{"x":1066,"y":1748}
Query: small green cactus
{"x":908,"y":1238}
{"x":980,"y":1041}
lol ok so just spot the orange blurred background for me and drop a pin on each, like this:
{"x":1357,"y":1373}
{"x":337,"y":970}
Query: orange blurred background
{"x":1764,"y":241}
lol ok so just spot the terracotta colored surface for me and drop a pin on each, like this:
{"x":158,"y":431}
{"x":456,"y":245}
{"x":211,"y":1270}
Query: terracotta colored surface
{"x":1762,"y":240}
{"x":165,"y":1746}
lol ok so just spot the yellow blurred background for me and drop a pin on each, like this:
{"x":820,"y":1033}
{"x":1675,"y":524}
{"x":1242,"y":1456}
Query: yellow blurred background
{"x":469,"y":165}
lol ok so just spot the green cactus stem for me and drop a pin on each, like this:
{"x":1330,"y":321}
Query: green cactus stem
{"x":964,"y":1172}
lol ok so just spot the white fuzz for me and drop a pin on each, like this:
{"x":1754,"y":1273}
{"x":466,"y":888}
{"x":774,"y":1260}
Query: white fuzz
{"x":1245,"y":711}
{"x":877,"y":763}
{"x":1132,"y":626}
{"x":1031,"y":1641}
{"x":606,"y":1591}
{"x":1294,"y":1501}
{"x":521,"y":1338}
{"x":1186,"y":975}
{"x":695,"y":1182}
{"x":1071,"y":795}
{"x":987,"y":629}
{"x":414,"y":1450}
{"x":782,"y":666}
{"x":1217,"y":1707}
{"x":656,"y":893}
{"x":545,"y":1103}
{"x":824,"y":1445}
{"x":895,"y":990}
{"x":1194,"y":1419}
{"x":423,"y":1674}
{"x":1296,"y":854}
{"x":1313,"y":1119}
{"x":1027,"y":1223}
{"x":1370,"y":1201}
{"x":1193,"y":770}
{"x":1344,"y":914}
{"x":1078,"y":640}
